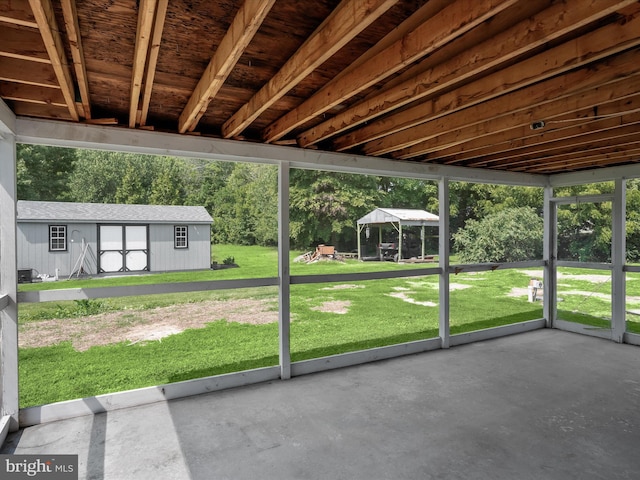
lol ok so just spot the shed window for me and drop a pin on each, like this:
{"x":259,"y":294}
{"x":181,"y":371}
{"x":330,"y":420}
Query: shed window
{"x":57,"y":238}
{"x":181,"y":238}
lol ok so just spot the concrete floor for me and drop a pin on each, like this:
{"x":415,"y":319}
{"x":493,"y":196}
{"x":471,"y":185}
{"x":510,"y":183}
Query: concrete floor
{"x":540,"y":405}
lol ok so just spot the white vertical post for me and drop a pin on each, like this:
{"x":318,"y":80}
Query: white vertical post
{"x":284,"y":275}
{"x":9,"y":405}
{"x":443,"y":260}
{"x":550,"y":252}
{"x":359,"y":230}
{"x":618,"y":258}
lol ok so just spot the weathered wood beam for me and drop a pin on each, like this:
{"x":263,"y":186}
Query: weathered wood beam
{"x":30,"y":73}
{"x":29,"y":109}
{"x":398,"y":128}
{"x":586,"y":161}
{"x":578,"y":120}
{"x":529,"y":73}
{"x":523,"y":37}
{"x":152,"y":62}
{"x":612,"y":130}
{"x":46,"y":20}
{"x":588,"y":147}
{"x":146,"y":12}
{"x":571,"y":93}
{"x":23,"y":44}
{"x":244,"y":26}
{"x":348,"y":19}
{"x":474,"y":151}
{"x":77,"y":53}
{"x":18,"y":12}
{"x":448,"y":24}
{"x":31,"y":93}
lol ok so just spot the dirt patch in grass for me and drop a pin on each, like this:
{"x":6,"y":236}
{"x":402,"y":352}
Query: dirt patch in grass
{"x":143,"y":325}
{"x":334,"y":306}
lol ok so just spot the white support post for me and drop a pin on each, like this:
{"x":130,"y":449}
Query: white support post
{"x":443,"y":259}
{"x":550,"y":252}
{"x":359,"y":230}
{"x":618,"y":258}
{"x":9,"y":405}
{"x":284,"y":275}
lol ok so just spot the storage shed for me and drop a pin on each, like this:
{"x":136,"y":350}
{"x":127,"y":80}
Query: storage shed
{"x":64,"y":238}
{"x":397,"y":218}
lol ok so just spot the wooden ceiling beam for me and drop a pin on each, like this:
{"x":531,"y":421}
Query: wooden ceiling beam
{"x":473,"y":151}
{"x":612,"y":128}
{"x":23,"y":43}
{"x":152,"y":61}
{"x":18,"y":12}
{"x":146,"y":14}
{"x":599,"y":44}
{"x":525,"y":36}
{"x":46,"y":20}
{"x":32,"y":94}
{"x":30,"y":109}
{"x":75,"y":45}
{"x":30,"y":73}
{"x":348,"y":19}
{"x":448,"y":24}
{"x":557,"y":105}
{"x":601,"y":159}
{"x":242,"y":30}
{"x":557,"y":150}
{"x":608,"y":110}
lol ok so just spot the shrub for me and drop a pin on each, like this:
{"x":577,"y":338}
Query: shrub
{"x":510,"y":235}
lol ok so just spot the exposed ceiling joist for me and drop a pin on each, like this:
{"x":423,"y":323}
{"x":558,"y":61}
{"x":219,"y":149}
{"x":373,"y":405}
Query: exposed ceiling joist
{"x":32,"y":93}
{"x":240,"y":33}
{"x":146,"y":15}
{"x":152,"y":61}
{"x":18,"y":12}
{"x":75,"y":44}
{"x":348,"y":19}
{"x":50,"y":32}
{"x":526,"y":36}
{"x":24,"y":44}
{"x":29,"y":73}
{"x":426,"y":38}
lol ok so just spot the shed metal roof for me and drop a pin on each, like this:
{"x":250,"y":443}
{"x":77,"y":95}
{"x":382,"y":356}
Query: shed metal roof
{"x":405,"y":216}
{"x":31,"y":211}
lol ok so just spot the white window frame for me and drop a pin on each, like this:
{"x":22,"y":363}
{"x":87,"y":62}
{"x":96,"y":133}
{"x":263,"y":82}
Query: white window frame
{"x":59,"y":229}
{"x":180,"y":234}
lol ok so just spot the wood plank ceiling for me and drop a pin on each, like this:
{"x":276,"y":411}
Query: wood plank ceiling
{"x":536,"y":86}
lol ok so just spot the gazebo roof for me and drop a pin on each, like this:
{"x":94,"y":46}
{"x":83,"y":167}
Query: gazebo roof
{"x":404,"y":216}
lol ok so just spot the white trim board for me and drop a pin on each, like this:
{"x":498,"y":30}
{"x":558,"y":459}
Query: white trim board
{"x":73,"y":135}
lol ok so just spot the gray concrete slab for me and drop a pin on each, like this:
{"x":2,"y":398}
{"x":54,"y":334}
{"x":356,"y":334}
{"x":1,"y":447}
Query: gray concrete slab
{"x":540,"y":405}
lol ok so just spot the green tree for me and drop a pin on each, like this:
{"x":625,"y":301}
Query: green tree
{"x":508,"y":235}
{"x":167,"y":185}
{"x":43,"y":172}
{"x":325,"y":206}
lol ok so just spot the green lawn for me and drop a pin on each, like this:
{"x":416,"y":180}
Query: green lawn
{"x":327,"y":319}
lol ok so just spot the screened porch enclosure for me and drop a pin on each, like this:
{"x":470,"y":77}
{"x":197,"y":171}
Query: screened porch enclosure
{"x":446,"y":332}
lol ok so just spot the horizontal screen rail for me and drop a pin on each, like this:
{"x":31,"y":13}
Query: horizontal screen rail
{"x":133,"y":290}
{"x":483,"y":267}
{"x":354,"y":277}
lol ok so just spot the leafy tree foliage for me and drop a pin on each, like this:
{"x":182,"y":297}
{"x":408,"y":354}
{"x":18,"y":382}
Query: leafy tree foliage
{"x":43,"y":171}
{"x":508,"y":235}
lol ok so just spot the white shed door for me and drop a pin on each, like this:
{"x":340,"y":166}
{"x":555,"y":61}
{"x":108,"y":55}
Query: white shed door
{"x":123,"y":248}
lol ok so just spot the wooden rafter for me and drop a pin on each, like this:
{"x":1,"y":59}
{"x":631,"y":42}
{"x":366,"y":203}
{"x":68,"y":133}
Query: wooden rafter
{"x":154,"y":50}
{"x":245,"y":24}
{"x":23,"y":44}
{"x":32,"y":94}
{"x":599,"y":44}
{"x":426,"y":38}
{"x":45,"y":18}
{"x":348,"y":19}
{"x":146,"y":14}
{"x":599,"y":130}
{"x":571,"y":93}
{"x":18,"y":12}
{"x":523,"y":37}
{"x":75,"y":45}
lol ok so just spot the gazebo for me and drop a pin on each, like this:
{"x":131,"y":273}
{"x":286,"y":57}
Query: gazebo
{"x":397,"y":218}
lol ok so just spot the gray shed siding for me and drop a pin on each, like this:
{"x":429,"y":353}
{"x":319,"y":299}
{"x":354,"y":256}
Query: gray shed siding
{"x":33,"y":248}
{"x":164,"y":257}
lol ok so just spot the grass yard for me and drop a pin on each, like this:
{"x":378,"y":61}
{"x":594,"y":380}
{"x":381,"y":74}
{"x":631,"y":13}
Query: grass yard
{"x":79,"y":349}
